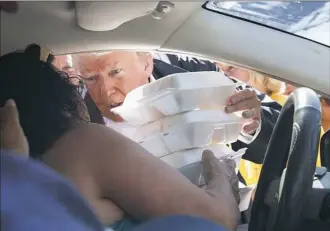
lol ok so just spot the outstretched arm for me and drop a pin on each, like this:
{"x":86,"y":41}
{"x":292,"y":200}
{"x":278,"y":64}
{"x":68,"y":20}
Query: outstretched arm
{"x":256,"y":142}
{"x":139,"y":183}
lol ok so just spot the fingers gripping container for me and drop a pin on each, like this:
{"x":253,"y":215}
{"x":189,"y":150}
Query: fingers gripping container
{"x":188,"y":130}
{"x":188,"y":162}
{"x":175,"y":94}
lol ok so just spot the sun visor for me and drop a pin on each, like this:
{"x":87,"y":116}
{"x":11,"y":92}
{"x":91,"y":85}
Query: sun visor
{"x":105,"y":16}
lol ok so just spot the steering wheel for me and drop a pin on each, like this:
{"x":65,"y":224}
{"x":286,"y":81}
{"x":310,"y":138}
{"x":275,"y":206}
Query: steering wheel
{"x":288,"y":170}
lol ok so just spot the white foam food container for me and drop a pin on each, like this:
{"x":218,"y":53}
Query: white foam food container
{"x":175,"y":94}
{"x":188,"y":162}
{"x":189,"y":130}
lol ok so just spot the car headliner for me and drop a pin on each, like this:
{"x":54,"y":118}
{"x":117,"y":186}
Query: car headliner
{"x":187,"y":29}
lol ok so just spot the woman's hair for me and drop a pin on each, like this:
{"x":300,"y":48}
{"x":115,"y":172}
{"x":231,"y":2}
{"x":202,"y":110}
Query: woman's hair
{"x":256,"y":79}
{"x":271,"y":85}
{"x":48,"y":104}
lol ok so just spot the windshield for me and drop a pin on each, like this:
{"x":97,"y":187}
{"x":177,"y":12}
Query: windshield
{"x":310,"y":20}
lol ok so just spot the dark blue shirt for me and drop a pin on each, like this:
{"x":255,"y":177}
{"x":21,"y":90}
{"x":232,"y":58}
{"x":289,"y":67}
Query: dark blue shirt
{"x":33,"y":198}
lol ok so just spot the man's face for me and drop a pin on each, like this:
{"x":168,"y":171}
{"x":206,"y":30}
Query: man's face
{"x":236,"y":72}
{"x":111,"y":76}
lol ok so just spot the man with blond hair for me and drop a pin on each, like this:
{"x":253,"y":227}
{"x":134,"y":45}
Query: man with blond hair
{"x":110,"y":76}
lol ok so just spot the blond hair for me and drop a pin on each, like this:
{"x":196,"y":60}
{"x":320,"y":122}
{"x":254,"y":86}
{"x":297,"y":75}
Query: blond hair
{"x":76,"y":58}
{"x":272,"y":86}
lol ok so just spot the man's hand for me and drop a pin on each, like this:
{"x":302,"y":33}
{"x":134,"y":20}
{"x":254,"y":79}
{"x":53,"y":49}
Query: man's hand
{"x":222,"y":183}
{"x":11,"y":133}
{"x":248,"y":102}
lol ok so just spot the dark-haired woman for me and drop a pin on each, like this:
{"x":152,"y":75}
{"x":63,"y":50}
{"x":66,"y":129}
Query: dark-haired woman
{"x":116,"y":175}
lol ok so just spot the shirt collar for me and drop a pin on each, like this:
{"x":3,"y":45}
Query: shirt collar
{"x":151,"y":78}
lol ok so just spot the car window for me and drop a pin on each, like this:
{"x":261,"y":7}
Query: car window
{"x":309,"y":20}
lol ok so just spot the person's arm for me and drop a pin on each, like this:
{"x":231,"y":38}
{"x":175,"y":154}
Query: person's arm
{"x":139,"y":183}
{"x":192,"y":64}
{"x":257,"y":148}
{"x":258,"y":141}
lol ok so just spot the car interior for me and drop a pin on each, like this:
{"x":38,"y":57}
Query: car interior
{"x":325,"y":150}
{"x":292,"y":194}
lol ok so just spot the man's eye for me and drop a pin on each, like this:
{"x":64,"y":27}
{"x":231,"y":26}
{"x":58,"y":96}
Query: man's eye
{"x":115,"y":72}
{"x":89,"y":80}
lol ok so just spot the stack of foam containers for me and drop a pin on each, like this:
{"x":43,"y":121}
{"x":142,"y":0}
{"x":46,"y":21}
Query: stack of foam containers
{"x":180,"y":116}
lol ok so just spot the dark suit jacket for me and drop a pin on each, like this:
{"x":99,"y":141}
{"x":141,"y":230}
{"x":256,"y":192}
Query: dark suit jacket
{"x":270,"y":109}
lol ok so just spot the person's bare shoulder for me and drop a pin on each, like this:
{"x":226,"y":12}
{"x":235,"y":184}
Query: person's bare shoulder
{"x":86,"y":144}
{"x":77,"y":155}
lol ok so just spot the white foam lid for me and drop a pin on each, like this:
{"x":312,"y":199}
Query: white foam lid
{"x":187,"y":80}
{"x":175,"y":94}
{"x":202,"y":118}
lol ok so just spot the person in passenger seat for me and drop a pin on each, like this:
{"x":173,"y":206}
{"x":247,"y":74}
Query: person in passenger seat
{"x":24,"y":182}
{"x":110,"y":76}
{"x":58,"y":206}
{"x":117,"y":177}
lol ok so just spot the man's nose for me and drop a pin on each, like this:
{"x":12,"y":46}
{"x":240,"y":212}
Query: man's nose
{"x":107,"y":87}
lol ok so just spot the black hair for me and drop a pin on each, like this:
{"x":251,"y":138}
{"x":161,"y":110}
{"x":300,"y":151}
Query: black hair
{"x":33,"y":50}
{"x":48,"y":104}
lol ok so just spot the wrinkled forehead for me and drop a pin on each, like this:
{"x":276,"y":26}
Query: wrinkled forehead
{"x":90,"y":63}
